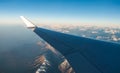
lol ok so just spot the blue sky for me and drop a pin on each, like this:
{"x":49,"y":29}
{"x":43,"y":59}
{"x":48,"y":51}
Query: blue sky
{"x":61,"y":11}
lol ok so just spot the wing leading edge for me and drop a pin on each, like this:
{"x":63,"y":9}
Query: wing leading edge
{"x":84,"y":55}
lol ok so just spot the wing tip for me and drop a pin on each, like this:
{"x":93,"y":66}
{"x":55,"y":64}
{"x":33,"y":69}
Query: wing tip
{"x":29,"y":24}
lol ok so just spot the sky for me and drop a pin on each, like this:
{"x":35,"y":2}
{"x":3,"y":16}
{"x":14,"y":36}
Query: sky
{"x":60,"y":11}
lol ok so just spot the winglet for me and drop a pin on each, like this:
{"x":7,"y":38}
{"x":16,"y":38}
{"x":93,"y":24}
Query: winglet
{"x":29,"y":24}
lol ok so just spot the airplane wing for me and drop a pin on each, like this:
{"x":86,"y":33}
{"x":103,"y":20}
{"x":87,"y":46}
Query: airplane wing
{"x":84,"y":55}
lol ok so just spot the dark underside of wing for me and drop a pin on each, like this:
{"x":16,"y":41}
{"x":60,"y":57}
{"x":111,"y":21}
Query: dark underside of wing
{"x":85,"y":55}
